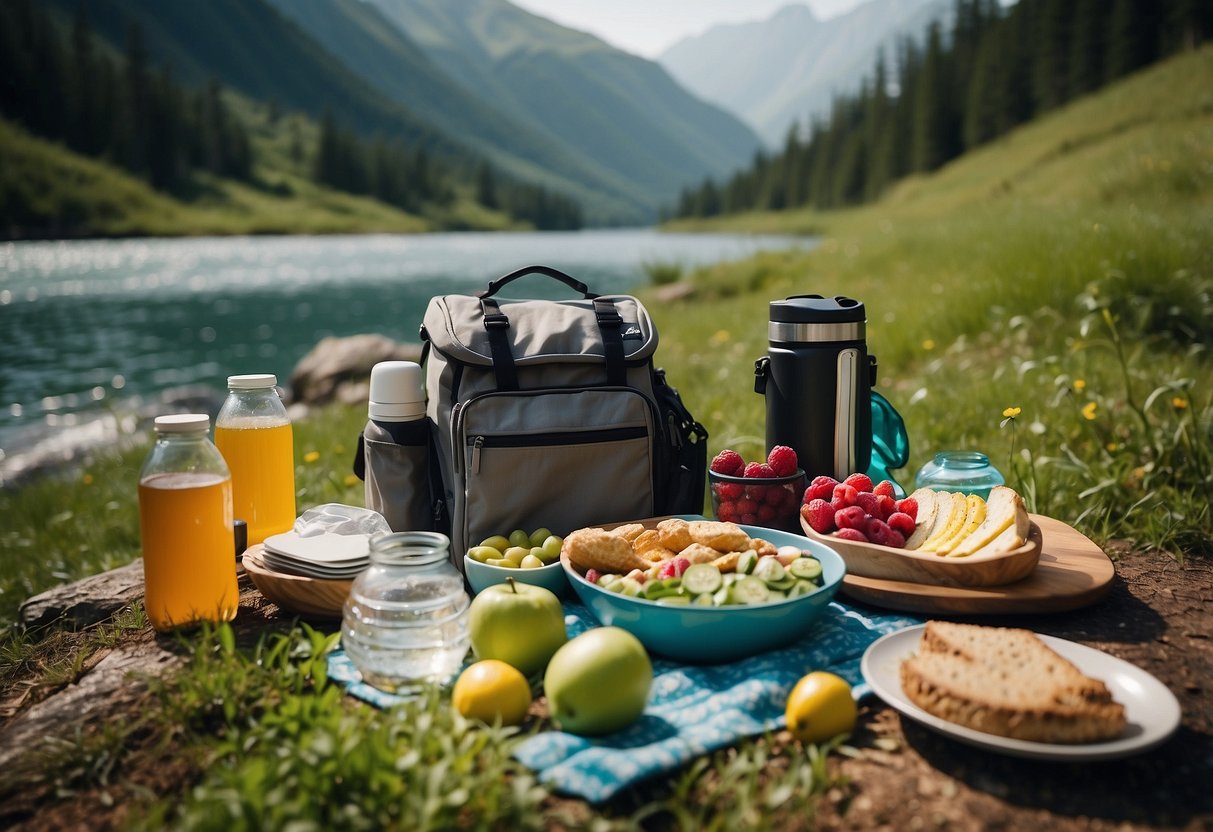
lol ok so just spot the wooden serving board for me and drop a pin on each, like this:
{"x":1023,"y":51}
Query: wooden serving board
{"x":1072,"y":572}
{"x":296,"y":593}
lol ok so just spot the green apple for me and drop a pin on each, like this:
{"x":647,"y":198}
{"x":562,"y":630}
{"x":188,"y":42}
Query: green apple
{"x":598,"y":682}
{"x":540,"y":535}
{"x":520,"y":538}
{"x":520,"y":624}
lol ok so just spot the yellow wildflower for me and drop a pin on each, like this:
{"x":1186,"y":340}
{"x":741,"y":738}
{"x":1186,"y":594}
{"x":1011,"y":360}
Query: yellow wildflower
{"x":1088,"y":411}
{"x":339,"y":449}
{"x":87,"y":479}
{"x":1179,"y":403}
{"x":351,"y":479}
{"x":1080,"y":385}
{"x":1012,"y":412}
{"x":311,"y":456}
{"x":1111,"y":446}
{"x":928,"y":344}
{"x":721,"y":336}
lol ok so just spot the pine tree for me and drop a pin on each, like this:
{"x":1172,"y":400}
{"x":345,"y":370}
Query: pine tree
{"x":1086,"y":47}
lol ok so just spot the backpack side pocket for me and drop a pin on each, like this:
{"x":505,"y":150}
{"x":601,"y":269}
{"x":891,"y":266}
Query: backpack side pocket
{"x":397,"y":473}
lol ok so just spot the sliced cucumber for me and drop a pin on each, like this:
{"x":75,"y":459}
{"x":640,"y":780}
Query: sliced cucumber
{"x":608,"y":579}
{"x":806,"y":568}
{"x":731,"y":578}
{"x":751,"y":590}
{"x":723,"y":596}
{"x":705,"y":600}
{"x":615,"y":585}
{"x":632,"y":587}
{"x":701,"y":577}
{"x":777,"y":595}
{"x":783,"y":584}
{"x":770,"y":569}
{"x":747,"y":562}
{"x":674,"y":600}
{"x":802,"y":588}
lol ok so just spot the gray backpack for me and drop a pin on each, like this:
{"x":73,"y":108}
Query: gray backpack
{"x":550,"y":413}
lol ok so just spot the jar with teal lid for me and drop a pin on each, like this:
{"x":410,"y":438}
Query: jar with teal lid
{"x":405,"y":621}
{"x":969,"y":472}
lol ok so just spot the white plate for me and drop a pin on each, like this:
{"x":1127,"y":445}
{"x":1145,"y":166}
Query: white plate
{"x":1150,"y":708}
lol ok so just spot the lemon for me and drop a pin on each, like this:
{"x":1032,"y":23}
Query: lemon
{"x":490,"y":690}
{"x":820,"y":707}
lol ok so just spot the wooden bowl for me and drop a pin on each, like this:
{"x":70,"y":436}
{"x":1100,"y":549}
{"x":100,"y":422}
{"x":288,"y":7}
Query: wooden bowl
{"x":296,"y":593}
{"x":872,"y":561}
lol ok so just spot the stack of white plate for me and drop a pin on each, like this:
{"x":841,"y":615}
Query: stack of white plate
{"x":329,"y":557}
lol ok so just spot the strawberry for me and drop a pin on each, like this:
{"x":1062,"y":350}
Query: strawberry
{"x":758,"y":469}
{"x":728,"y":462}
{"x":819,"y":515}
{"x":782,"y":460}
{"x":908,"y":506}
{"x":820,"y":488}
{"x":860,"y":482}
{"x":851,"y":534}
{"x":884,"y":488}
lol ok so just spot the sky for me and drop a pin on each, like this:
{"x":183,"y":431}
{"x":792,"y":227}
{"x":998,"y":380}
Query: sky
{"x":648,"y":27}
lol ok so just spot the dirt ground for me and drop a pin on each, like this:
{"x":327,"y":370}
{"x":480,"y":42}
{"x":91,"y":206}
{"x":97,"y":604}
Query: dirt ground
{"x":1158,"y":615}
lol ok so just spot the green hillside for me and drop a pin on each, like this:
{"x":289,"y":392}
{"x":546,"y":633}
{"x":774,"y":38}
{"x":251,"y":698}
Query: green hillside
{"x":624,"y":112}
{"x":358,"y":34}
{"x":48,"y":191}
{"x":1065,"y":269}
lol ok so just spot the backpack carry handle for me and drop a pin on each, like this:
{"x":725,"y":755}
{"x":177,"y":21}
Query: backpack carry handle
{"x":573,"y":283}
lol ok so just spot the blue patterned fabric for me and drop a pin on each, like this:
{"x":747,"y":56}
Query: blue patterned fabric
{"x":692,"y":710}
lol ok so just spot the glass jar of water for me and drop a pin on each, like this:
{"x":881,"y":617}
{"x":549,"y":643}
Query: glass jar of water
{"x":969,"y":472}
{"x":405,"y":621}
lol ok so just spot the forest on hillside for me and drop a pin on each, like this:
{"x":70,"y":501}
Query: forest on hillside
{"x":952,"y":91}
{"x":63,"y":83}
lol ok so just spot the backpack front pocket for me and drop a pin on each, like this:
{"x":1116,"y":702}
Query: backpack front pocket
{"x":560,"y":459}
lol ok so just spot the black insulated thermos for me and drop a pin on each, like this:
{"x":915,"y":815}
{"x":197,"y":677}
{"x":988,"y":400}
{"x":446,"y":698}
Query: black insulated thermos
{"x":817,"y":378}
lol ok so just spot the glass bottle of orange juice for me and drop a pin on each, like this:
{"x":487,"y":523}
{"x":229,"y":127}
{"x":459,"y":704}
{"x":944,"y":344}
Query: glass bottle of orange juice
{"x":185,"y":523}
{"x":253,"y":432}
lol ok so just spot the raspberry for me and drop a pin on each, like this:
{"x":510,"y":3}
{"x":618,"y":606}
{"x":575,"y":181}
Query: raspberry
{"x":728,"y":490}
{"x":749,"y":519}
{"x":728,"y":462}
{"x":851,"y":534}
{"x":592,"y":575}
{"x":896,"y":539}
{"x":757,"y":493}
{"x":766,"y":513}
{"x":887,"y":506}
{"x":775,"y":496}
{"x":819,"y":515}
{"x":852,"y":517}
{"x":758,"y":469}
{"x":885,"y":489}
{"x":878,"y":531}
{"x":820,"y":488}
{"x":909,"y":506}
{"x":860,"y":482}
{"x":746,"y":506}
{"x":782,"y":460}
{"x":845,"y":495}
{"x":901,"y":522}
{"x":869,"y":502}
{"x":727,"y":512}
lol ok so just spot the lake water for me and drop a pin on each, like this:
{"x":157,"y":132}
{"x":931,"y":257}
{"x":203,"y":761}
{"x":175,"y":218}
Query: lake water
{"x":90,"y":328}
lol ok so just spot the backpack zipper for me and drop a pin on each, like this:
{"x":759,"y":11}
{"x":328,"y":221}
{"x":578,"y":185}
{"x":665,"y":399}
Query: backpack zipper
{"x":545,"y":440}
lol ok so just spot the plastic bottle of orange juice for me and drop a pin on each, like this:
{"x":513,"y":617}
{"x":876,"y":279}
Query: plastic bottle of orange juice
{"x":253,"y":433}
{"x":185,"y":522}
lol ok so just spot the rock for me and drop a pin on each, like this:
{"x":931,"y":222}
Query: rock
{"x":673,"y":292}
{"x":335,"y":362}
{"x":95,"y":692}
{"x":86,"y":601}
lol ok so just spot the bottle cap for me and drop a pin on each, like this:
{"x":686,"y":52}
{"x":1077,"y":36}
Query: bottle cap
{"x":397,"y":391}
{"x":183,"y":423}
{"x":253,"y":381}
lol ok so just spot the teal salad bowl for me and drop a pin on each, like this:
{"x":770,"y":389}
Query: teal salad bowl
{"x":483,"y":575}
{"x":710,"y":634}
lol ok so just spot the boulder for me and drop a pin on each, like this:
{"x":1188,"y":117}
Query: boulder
{"x":86,"y":601}
{"x":337,"y":363}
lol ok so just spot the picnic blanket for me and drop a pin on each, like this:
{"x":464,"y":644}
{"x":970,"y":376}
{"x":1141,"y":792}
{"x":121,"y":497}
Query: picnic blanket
{"x":692,"y":709}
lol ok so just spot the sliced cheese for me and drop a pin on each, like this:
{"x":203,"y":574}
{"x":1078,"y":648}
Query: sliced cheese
{"x":1010,"y":538}
{"x":928,"y":508}
{"x":975,"y":515}
{"x":947,"y":521}
{"x":1000,"y":513}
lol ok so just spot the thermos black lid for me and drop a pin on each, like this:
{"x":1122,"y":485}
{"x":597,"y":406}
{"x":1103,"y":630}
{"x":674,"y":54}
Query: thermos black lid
{"x":814,"y":309}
